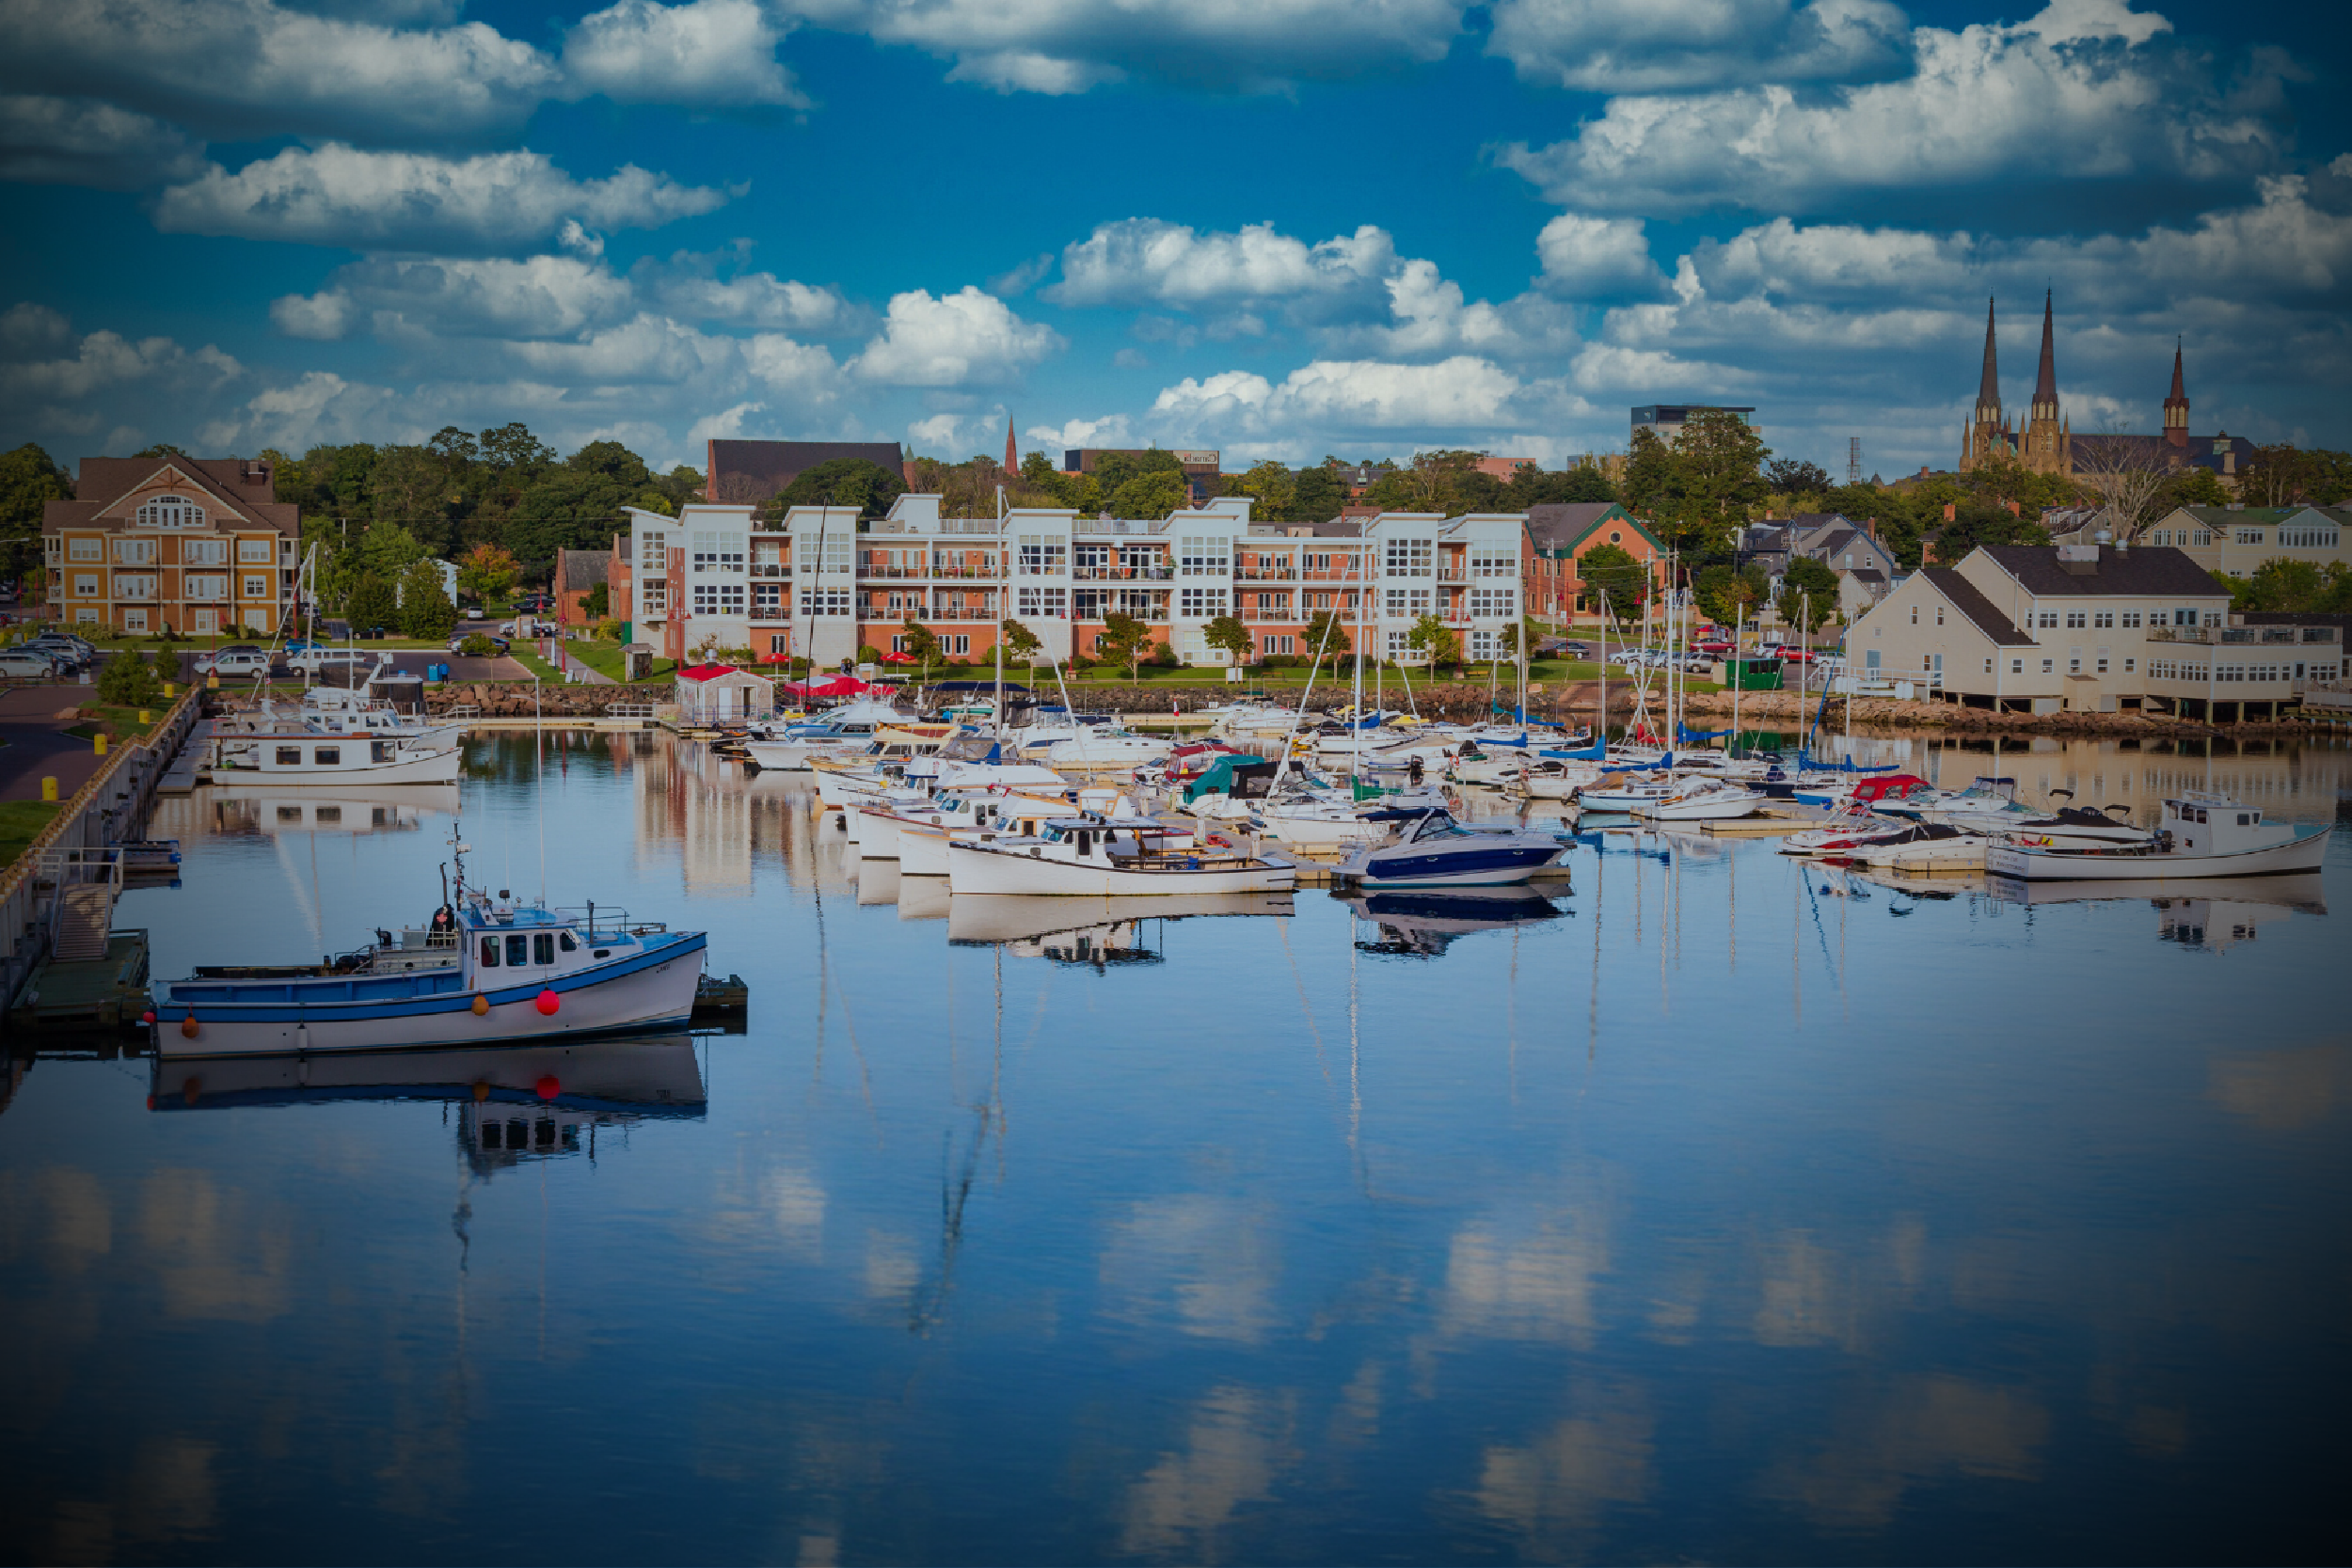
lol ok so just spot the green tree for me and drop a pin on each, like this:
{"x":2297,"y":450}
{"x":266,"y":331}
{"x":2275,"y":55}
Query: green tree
{"x":411,"y":487}
{"x":1156,"y":493}
{"x":1791,"y":476}
{"x":487,"y":573}
{"x":2281,"y":584}
{"x":1326,"y":638}
{"x":1717,"y":478}
{"x":1611,"y":569}
{"x":372,"y":604}
{"x":1650,"y":478}
{"x":388,"y":549}
{"x":597,"y":603}
{"x":30,"y":480}
{"x":424,"y":608}
{"x":512,"y":448}
{"x":1809,"y":594}
{"x":1447,"y":482}
{"x":1731,"y":595}
{"x":129,"y":680}
{"x":1126,"y":640}
{"x":1534,"y":487}
{"x":2192,"y":486}
{"x":840,"y":481}
{"x":1436,"y":639}
{"x":1316,"y":494}
{"x":1273,"y":491}
{"x":1020,"y":643}
{"x":1228,"y":633}
{"x":918,"y":643}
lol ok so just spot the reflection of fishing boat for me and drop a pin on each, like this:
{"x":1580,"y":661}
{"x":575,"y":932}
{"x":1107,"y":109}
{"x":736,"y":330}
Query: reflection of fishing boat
{"x":1099,"y":856}
{"x":263,"y":808}
{"x":2198,"y":836}
{"x":1424,"y":923}
{"x":2301,"y":891}
{"x":988,"y":918}
{"x":656,"y":1075}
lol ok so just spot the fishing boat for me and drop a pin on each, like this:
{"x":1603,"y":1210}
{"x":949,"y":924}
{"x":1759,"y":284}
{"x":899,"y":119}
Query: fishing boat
{"x":301,"y":754}
{"x":480,"y":971}
{"x":1427,"y":848}
{"x":2198,"y":834}
{"x":338,"y":711}
{"x":1095,"y":856}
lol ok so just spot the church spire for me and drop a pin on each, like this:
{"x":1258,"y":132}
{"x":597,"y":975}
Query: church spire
{"x":1989,"y":388}
{"x":2176,"y":406}
{"x":1012,"y":453}
{"x":2045,"y":383}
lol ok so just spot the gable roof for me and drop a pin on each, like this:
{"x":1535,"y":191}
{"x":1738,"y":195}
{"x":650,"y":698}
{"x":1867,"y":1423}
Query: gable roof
{"x":754,"y":471}
{"x":1964,"y":597}
{"x":2235,"y":516}
{"x":2152,"y":570}
{"x":583,"y":568}
{"x":249,"y":489}
{"x":1557,"y":528}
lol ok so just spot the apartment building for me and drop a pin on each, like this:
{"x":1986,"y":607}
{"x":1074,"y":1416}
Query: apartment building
{"x":2234,"y":540}
{"x":2085,"y":628}
{"x":202,"y":545}
{"x":819,"y":583}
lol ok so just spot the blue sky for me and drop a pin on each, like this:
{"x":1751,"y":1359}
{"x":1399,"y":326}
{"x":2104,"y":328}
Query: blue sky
{"x":1274,"y":226}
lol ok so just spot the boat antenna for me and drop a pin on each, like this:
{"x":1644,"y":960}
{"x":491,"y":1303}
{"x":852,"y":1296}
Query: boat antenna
{"x":539,"y":784}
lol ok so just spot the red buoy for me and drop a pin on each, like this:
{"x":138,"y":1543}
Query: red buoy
{"x":548,"y":1002}
{"x":548,"y":1089}
{"x":148,"y":1017}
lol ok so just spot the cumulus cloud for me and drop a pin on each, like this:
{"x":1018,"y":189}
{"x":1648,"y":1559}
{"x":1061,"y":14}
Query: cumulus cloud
{"x":324,"y":317}
{"x":2075,"y":93}
{"x":1591,"y":258}
{"x":341,"y":196}
{"x":1138,"y":261}
{"x":1346,"y":395}
{"x":78,"y":141}
{"x":1672,"y":45}
{"x":964,"y":338}
{"x":1063,"y":46}
{"x":689,"y":286}
{"x":255,"y":68}
{"x":713,"y":53}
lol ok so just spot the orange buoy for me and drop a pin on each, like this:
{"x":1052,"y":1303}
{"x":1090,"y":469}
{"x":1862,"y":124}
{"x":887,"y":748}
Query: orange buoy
{"x":481,"y":1090}
{"x":547,"y":1087}
{"x":188,"y":1025}
{"x":192,"y":1090}
{"x":548,"y":1003}
{"x":481,"y":1005}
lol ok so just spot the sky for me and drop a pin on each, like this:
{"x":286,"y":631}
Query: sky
{"x":1274,"y":227}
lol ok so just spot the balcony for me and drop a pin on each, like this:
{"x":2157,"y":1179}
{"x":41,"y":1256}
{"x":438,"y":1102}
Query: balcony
{"x":2273,"y":637}
{"x":895,"y":574}
{"x":772,"y":569}
{"x":965,"y":572}
{"x":1123,"y":574}
{"x":961,"y":612}
{"x":1267,"y":574}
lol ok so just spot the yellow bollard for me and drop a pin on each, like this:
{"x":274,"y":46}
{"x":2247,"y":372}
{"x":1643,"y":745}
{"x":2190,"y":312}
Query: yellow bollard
{"x":172,"y":689}
{"x":145,"y":717}
{"x":99,"y":741}
{"x":49,"y":788}
{"x":212,"y":683}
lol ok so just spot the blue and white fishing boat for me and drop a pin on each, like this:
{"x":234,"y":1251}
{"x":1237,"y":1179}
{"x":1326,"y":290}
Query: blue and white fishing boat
{"x":480,"y":971}
{"x":1426,"y":848}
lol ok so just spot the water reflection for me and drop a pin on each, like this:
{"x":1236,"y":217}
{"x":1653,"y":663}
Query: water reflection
{"x":1422,"y":925}
{"x":2213,"y":915}
{"x":1097,"y":932}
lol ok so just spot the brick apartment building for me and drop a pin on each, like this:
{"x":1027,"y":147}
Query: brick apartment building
{"x":202,"y":545}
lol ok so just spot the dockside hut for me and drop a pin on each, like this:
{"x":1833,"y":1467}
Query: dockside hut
{"x":722,"y":694}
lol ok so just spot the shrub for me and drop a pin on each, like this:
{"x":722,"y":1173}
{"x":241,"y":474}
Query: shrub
{"x":608,"y":630}
{"x":478,"y":646}
{"x":129,"y":680}
{"x":870,"y":655}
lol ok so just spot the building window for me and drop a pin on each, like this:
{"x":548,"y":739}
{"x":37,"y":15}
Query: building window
{"x":1408,"y":558}
{"x":86,"y":549}
{"x":2127,"y":665}
{"x":204,"y":623}
{"x":172,"y":512}
{"x":767,"y":599}
{"x":1398,"y":647}
{"x":1988,"y":666}
{"x":2249,"y":536}
{"x":653,"y":551}
{"x":2183,"y":617}
{"x":1939,"y":615}
{"x":2202,"y":537}
{"x":656,"y":593}
{"x":135,"y":620}
{"x":1915,"y":615}
{"x":2045,"y":666}
{"x":718,"y":599}
{"x":255,"y":551}
{"x":2102,"y":667}
{"x":1200,"y":603}
{"x":204,"y":552}
{"x":2309,"y":538}
{"x":2131,"y":619}
{"x":2104,"y":618}
{"x":1484,"y":643}
{"x":824,"y":601}
{"x":1616,"y":537}
{"x":2074,"y":621}
{"x":1485,"y":564}
{"x":1279,"y":643}
{"x":718,"y":552}
{"x":1040,"y":553}
{"x":2016,"y":666}
{"x":956,"y":644}
{"x":86,"y":615}
{"x":1407,"y":601}
{"x":129,"y":587}
{"x":135,"y":552}
{"x":256,"y":588}
{"x":1199,"y":557}
{"x":2047,"y":619}
{"x":1052,"y":602}
{"x":86,"y":585}
{"x":1488,"y":604}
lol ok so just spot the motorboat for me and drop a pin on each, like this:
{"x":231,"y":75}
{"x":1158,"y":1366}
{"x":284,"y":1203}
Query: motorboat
{"x":1427,"y":848}
{"x":1095,"y":856}
{"x":845,"y":731}
{"x":302,"y":755}
{"x":1618,"y":793}
{"x":2198,"y":834}
{"x":1105,"y":751}
{"x":1704,"y":800}
{"x":480,"y":971}
{"x":1851,"y":829}
{"x":924,"y":833}
{"x":1927,"y":846}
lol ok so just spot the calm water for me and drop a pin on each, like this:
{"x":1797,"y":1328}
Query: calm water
{"x":1713,"y":1210}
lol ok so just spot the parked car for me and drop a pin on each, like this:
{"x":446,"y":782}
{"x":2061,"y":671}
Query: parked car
{"x":474,"y":614}
{"x":317,"y":659}
{"x":532,"y":603}
{"x":238,"y":658}
{"x":457,"y":643}
{"x":1710,"y":646}
{"x":64,"y":644}
{"x":528,"y":626}
{"x":1793,"y":656}
{"x":1576,"y":649}
{"x":25,"y":664}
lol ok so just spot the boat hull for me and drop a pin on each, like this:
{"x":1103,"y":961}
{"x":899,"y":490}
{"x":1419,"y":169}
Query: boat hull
{"x":652,"y":989}
{"x":986,"y":868}
{"x":431,"y":767}
{"x":1501,"y":865}
{"x":2023,"y":864}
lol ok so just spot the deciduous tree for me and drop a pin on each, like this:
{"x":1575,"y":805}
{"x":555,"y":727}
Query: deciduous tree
{"x":1227,"y":632}
{"x":1809,"y":594}
{"x":424,"y":608}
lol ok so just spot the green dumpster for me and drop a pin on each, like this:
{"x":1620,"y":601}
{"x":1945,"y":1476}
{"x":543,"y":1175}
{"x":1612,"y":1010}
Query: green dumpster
{"x":1752,"y":674}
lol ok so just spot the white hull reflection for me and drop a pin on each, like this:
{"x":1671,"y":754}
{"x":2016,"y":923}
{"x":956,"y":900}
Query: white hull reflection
{"x":985,"y":919}
{"x":650,"y":1072}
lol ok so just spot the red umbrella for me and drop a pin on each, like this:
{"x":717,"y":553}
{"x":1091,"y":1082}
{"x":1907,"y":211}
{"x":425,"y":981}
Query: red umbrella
{"x":898,"y":659}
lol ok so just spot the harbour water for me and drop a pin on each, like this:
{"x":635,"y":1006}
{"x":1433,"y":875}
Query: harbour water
{"x":1710,"y":1208}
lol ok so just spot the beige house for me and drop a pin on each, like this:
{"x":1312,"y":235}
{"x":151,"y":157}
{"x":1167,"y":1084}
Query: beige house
{"x":2043,"y":628}
{"x":2234,"y":540}
{"x":199,"y":544}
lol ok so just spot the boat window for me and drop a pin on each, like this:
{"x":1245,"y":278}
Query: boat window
{"x":515,"y":1138}
{"x":383,"y":751}
{"x":327,"y":757}
{"x":489,"y":952}
{"x":543,"y":948}
{"x":602,"y":953}
{"x":517,"y":950}
{"x":490,"y":1138}
{"x":2244,"y":820}
{"x":289,"y":756}
{"x":289,"y":814}
{"x":565,"y":938}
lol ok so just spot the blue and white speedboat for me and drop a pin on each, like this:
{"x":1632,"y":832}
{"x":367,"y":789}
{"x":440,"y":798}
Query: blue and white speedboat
{"x":1426,"y":848}
{"x":480,"y":971}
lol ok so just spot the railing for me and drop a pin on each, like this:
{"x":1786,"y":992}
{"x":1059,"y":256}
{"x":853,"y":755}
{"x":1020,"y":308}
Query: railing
{"x":1452,"y":573}
{"x":965,"y":572}
{"x":970,"y":525}
{"x":1268,"y":574}
{"x":1123,"y":574}
{"x":964,"y":613}
{"x":772,"y":569}
{"x":895,"y":573}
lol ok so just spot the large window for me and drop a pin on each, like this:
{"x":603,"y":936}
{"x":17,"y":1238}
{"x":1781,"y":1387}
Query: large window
{"x":653,"y":551}
{"x":135,"y":552}
{"x":128,"y":586}
{"x":2309,"y":538}
{"x":1201,"y":604}
{"x":204,"y":552}
{"x":86,"y":585}
{"x":768,"y":600}
{"x":1042,"y":554}
{"x":1408,"y":558}
{"x":256,"y":588}
{"x":718,"y":598}
{"x":255,"y":552}
{"x":1487,"y":564}
{"x":718,"y":552}
{"x":86,"y":549}
{"x":1491,"y":603}
{"x":172,"y":512}
{"x":824,"y":601}
{"x":1204,"y":555}
{"x":1052,"y":603}
{"x":1407,"y":601}
{"x":656,"y":593}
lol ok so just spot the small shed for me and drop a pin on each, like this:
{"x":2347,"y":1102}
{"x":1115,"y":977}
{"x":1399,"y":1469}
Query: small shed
{"x":722,"y":694}
{"x":637,"y":660}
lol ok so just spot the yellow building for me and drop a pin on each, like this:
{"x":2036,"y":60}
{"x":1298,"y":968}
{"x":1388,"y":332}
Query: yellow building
{"x":202,"y":545}
{"x":2235,"y":541}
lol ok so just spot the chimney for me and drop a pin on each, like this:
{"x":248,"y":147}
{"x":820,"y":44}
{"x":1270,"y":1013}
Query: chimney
{"x":1870,"y":527}
{"x":1951,"y":512}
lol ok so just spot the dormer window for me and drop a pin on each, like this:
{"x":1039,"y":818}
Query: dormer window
{"x":172,"y":512}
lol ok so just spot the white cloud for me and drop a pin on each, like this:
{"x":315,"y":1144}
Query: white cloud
{"x":1668,"y":45}
{"x":536,"y":296}
{"x":253,"y":68}
{"x":76,"y":141}
{"x":323,"y":317}
{"x":688,"y":286}
{"x":785,"y":366}
{"x":30,"y":330}
{"x":708,"y":53}
{"x":1149,"y":261}
{"x":341,"y":196}
{"x":968,"y":337}
{"x":1058,"y":46}
{"x":2072,"y":95}
{"x":1587,"y":258}
{"x":1346,"y":395}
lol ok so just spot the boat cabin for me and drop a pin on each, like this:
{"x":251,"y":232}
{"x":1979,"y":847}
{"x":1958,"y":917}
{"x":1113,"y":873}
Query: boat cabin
{"x":2203,"y":824}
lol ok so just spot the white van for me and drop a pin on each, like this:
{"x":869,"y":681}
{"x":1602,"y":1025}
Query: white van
{"x":354,"y":662}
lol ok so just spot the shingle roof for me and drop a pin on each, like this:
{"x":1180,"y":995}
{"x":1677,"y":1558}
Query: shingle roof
{"x":1868,"y":574}
{"x":1964,"y":597}
{"x":2154,"y":570}
{"x":1565,"y":525}
{"x":105,"y":481}
{"x":581,"y":568}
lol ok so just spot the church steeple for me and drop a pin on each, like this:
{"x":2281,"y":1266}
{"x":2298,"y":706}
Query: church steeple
{"x":2046,"y":383}
{"x":2176,"y":406}
{"x":1989,"y":386}
{"x":1988,"y":435}
{"x":2048,"y":447}
{"x":1012,"y":453}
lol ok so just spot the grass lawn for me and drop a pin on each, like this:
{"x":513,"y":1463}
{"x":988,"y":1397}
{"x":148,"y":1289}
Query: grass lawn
{"x":521,"y":654}
{"x":118,"y":724}
{"x":20,"y":822}
{"x":605,"y":658}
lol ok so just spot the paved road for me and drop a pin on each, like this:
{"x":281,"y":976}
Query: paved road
{"x":37,"y":744}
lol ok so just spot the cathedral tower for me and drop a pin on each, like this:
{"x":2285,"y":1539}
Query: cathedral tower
{"x":2049,"y":444}
{"x":1988,"y":435}
{"x":2176,"y":407}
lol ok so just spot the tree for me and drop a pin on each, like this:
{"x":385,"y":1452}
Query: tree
{"x":1649,"y":473}
{"x":1020,"y":643}
{"x":1157,"y":493}
{"x":1272,"y":488}
{"x":388,"y":549}
{"x":372,"y":604}
{"x":1228,"y":633}
{"x":2281,"y":584}
{"x":512,"y":449}
{"x":2128,"y":475}
{"x":917,"y":642}
{"x":1791,"y":476}
{"x":1611,"y":569}
{"x":1729,"y":596}
{"x":1534,"y":487}
{"x":129,"y":680}
{"x":411,"y":487}
{"x":1447,"y":480}
{"x":2192,"y":486}
{"x":1126,"y":640}
{"x":597,"y":603}
{"x":424,"y":608}
{"x":1436,"y":639}
{"x":1327,"y":638}
{"x":1716,"y":477}
{"x":487,"y":572}
{"x":840,"y":481}
{"x":1809,"y":594}
{"x":1317,"y":495}
{"x":30,"y":480}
